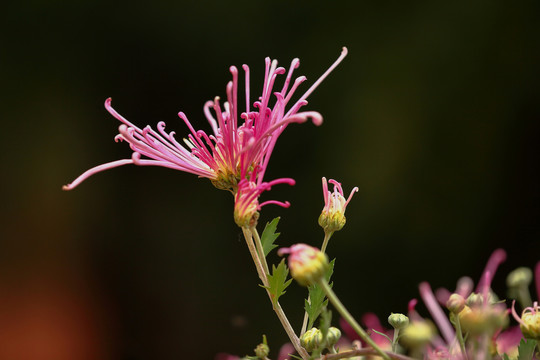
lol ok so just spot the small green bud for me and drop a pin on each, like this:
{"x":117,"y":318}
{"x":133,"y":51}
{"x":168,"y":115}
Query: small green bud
{"x":398,"y":321}
{"x":476,"y":299}
{"x":262,"y":351}
{"x":311,"y":339}
{"x":333,"y":336}
{"x":521,"y":277}
{"x":455,"y":303}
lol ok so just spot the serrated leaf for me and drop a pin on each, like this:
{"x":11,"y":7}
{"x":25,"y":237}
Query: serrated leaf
{"x":526,"y":349}
{"x":277,"y":282}
{"x":317,"y":298}
{"x":268,"y":236}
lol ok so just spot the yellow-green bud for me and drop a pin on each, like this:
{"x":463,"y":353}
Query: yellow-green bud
{"x":521,"y":277}
{"x":311,"y":339}
{"x":307,"y":264}
{"x":262,"y":351}
{"x":332,"y":221}
{"x":530,"y":322}
{"x":333,"y":336}
{"x":398,"y":321}
{"x":455,"y":303}
{"x":418,"y":333}
{"x":332,"y":217}
{"x":483,"y":319}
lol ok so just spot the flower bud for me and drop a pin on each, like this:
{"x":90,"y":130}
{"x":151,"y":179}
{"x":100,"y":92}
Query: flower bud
{"x":483,"y":319}
{"x":311,"y":339}
{"x":262,"y":351}
{"x":455,"y":303}
{"x":398,"y":321}
{"x":307,"y":264}
{"x":521,"y":277}
{"x":333,"y":336}
{"x":332,"y":217}
{"x":418,"y":333}
{"x":530,"y":322}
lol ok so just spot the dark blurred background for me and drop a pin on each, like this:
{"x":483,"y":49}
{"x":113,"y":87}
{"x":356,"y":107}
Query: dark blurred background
{"x":434,"y":115}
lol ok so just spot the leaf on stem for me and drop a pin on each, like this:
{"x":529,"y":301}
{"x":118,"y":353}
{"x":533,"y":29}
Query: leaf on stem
{"x":277,"y":282}
{"x":317,"y":298}
{"x":269,"y":235}
{"x":526,"y":349}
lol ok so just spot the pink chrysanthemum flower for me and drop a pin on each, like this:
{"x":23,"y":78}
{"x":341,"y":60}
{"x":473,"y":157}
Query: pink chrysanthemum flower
{"x":234,"y":150}
{"x":332,"y":217}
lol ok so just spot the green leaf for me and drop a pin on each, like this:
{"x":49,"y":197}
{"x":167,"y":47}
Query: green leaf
{"x":505,"y":357}
{"x":383,"y":334}
{"x":295,"y":357}
{"x":317,"y":298}
{"x":526,"y":349}
{"x":278,"y":281}
{"x":269,"y":235}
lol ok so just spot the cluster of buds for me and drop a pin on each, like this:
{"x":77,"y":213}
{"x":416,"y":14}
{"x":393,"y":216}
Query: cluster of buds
{"x":313,"y":339}
{"x":481,"y":315}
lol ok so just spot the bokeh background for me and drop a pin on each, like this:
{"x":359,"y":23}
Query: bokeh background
{"x":434,"y":115}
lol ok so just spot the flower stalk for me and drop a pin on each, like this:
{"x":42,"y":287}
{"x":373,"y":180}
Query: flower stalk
{"x":264,"y":278}
{"x":350,"y":319}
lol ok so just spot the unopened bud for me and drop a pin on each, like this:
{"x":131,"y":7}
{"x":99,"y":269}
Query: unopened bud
{"x":398,"y":321}
{"x":332,"y":217}
{"x":262,"y":351}
{"x":455,"y":303}
{"x":483,"y":319}
{"x":418,"y":333}
{"x":521,"y":277}
{"x":307,"y":264}
{"x":333,"y":336}
{"x":311,"y":339}
{"x":530,"y":322}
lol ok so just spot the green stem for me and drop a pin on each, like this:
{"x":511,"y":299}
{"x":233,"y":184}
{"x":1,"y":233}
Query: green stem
{"x":348,"y":317}
{"x":327,"y":237}
{"x":524,"y":297}
{"x":260,"y":249}
{"x":277,"y":307}
{"x":459,"y":334}
{"x":363,"y":352}
{"x":395,"y":340}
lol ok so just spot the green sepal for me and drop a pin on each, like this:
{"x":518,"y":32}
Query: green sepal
{"x":317,"y":297}
{"x":278,"y":281}
{"x":269,"y":235}
{"x":526,"y":349}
